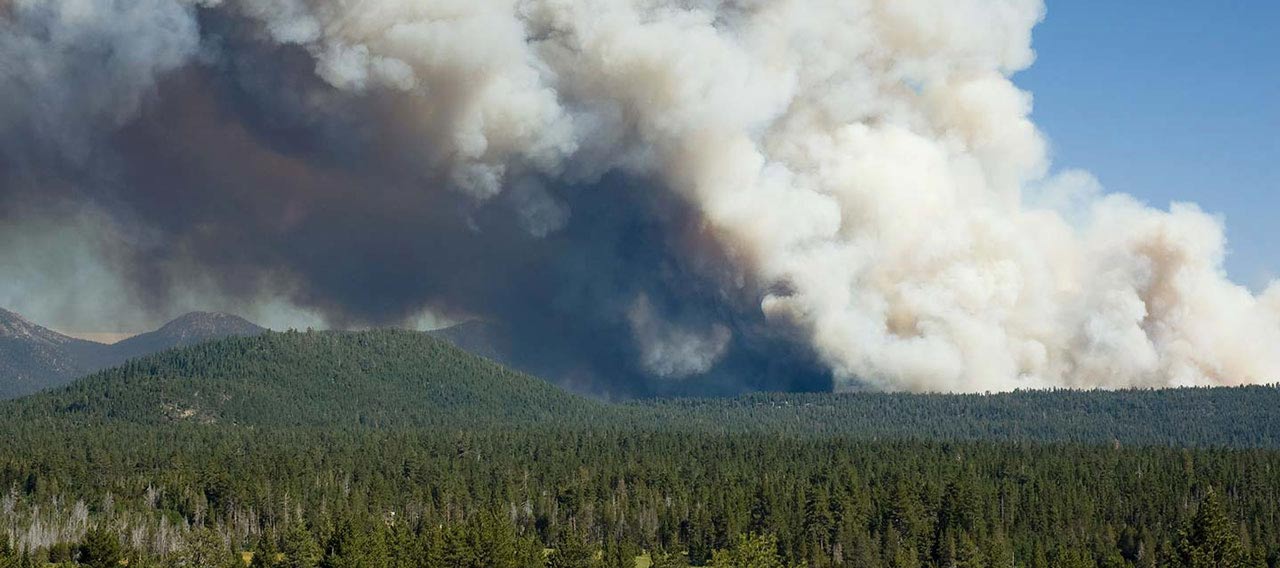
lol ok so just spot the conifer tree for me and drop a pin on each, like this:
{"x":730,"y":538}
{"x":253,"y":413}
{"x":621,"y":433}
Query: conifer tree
{"x":356,"y":544}
{"x":573,"y":552}
{"x":100,"y":549}
{"x":1209,"y":540}
{"x":756,"y":551}
{"x":669,"y":560}
{"x":206,"y":548}
{"x":265,"y":553}
{"x":26,"y":561}
{"x":298,"y":548}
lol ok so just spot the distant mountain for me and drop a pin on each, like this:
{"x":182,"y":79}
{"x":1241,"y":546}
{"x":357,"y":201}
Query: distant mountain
{"x":187,"y":329}
{"x":34,"y":358}
{"x":381,"y":378}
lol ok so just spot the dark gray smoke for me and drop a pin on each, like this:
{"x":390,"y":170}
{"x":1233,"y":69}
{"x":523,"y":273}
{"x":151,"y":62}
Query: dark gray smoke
{"x":185,"y":156}
{"x":645,"y":196}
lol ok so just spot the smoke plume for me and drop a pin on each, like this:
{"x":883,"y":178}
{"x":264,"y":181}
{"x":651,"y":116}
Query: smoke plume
{"x":648,"y":195}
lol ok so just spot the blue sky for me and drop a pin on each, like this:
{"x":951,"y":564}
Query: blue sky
{"x":1174,"y":100}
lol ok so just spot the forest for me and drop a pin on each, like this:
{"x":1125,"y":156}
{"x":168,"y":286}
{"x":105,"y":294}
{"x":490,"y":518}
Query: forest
{"x":391,"y":449}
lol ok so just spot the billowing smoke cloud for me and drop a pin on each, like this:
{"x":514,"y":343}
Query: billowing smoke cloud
{"x":669,"y":350}
{"x":648,"y":195}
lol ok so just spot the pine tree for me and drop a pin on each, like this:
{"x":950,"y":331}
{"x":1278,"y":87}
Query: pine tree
{"x":206,"y":548}
{"x":403,"y":548}
{"x":620,"y":554}
{"x":61,"y":553}
{"x":299,"y":548}
{"x":573,"y":552}
{"x":100,"y":549}
{"x":8,"y":558}
{"x":356,"y":545}
{"x":265,"y":553}
{"x":756,"y":551}
{"x":1210,"y":540}
{"x":431,"y":545}
{"x":529,"y":554}
{"x":459,"y":550}
{"x":497,"y":541}
{"x":669,"y":560}
{"x":968,"y":555}
{"x":26,"y":561}
{"x":761,"y":511}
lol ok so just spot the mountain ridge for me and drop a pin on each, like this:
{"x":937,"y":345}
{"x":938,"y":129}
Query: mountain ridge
{"x":187,"y":329}
{"x":398,"y":379}
{"x":379,"y":378}
{"x":35,"y":358}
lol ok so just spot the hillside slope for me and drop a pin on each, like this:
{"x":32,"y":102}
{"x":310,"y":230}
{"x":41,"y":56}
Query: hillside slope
{"x":404,"y":379}
{"x":484,"y":339}
{"x":34,"y":358}
{"x":187,"y":329}
{"x":1247,"y":416}
{"x":383,"y":378}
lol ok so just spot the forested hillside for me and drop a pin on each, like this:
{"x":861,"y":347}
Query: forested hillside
{"x":1237,"y":416}
{"x":324,"y":379}
{"x":404,"y":379}
{"x":34,"y":358}
{"x":392,"y":449}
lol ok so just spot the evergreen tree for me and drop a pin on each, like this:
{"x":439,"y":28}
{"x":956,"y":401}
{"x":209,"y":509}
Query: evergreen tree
{"x":431,"y":545}
{"x":573,"y":552}
{"x":529,"y":554}
{"x":299,"y":549}
{"x":61,"y":553}
{"x":403,"y":547}
{"x":761,"y":511}
{"x":495,"y":540}
{"x":756,"y":551}
{"x":1209,"y":540}
{"x":265,"y":554}
{"x":356,"y":544}
{"x":100,"y":549}
{"x":205,"y":548}
{"x":8,"y":557}
{"x":669,"y":560}
{"x":619,"y":554}
{"x":459,"y":548}
{"x":26,"y":561}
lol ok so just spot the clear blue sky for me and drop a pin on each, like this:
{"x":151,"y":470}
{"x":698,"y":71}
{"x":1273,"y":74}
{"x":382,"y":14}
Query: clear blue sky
{"x":1174,"y":100}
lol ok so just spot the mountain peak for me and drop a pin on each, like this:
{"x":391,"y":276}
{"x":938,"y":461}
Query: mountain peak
{"x":14,"y":326}
{"x":188,"y":329}
{"x":12,"y":320}
{"x":33,"y":357}
{"x":207,"y":325}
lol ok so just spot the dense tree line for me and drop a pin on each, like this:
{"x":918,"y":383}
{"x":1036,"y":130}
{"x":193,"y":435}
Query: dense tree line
{"x":391,"y":449}
{"x":499,"y":498}
{"x":1192,"y":416}
{"x":399,"y":379}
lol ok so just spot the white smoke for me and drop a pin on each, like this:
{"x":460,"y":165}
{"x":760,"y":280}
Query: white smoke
{"x":70,"y":67}
{"x":867,"y":167}
{"x":671,"y":350}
